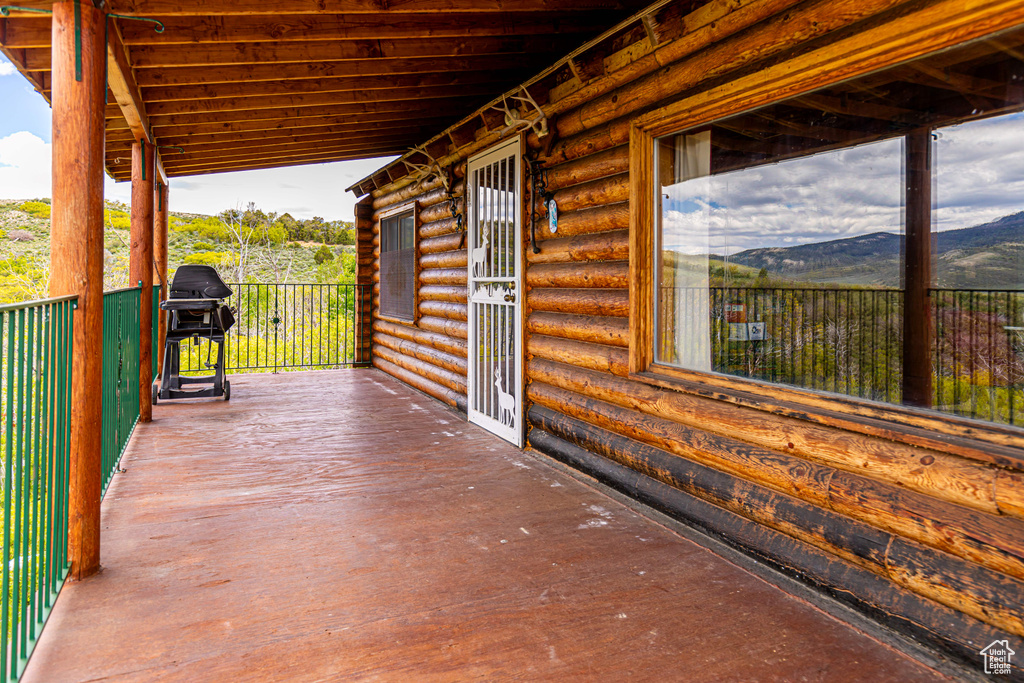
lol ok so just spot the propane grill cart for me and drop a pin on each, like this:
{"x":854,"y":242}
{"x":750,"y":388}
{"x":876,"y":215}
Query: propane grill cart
{"x":195,"y":309}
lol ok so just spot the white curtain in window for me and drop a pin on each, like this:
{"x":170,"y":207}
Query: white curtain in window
{"x":685,"y":248}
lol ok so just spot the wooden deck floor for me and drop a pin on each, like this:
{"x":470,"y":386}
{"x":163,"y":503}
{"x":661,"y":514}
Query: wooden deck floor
{"x":340,"y":526}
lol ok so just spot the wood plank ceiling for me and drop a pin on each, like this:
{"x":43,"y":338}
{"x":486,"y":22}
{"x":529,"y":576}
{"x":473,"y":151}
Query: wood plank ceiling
{"x":247,"y":84}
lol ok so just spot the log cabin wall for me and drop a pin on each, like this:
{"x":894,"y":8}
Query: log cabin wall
{"x":918,"y":522}
{"x":430,"y":352}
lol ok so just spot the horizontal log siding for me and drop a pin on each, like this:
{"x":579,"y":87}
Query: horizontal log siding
{"x":927,"y":541}
{"x":429,"y":354}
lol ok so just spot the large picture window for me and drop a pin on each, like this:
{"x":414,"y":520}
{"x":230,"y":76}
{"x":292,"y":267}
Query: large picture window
{"x":866,"y":239}
{"x":398,"y":266}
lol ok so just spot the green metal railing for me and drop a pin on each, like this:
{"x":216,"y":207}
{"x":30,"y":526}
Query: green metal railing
{"x":120,"y":374}
{"x":157,"y":349}
{"x":283,"y":327}
{"x":35,"y":391}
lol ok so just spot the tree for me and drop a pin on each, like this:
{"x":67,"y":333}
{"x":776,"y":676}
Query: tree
{"x":323,"y":255}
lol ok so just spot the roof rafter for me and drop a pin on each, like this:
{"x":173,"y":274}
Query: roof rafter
{"x":213,"y":54}
{"x":122,"y":83}
{"x":255,"y":7}
{"x":322,"y":85}
{"x":261,"y":83}
{"x":258,"y":28}
{"x":195,"y":75}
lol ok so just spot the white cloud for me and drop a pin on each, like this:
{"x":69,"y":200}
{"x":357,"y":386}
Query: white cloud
{"x":979,"y":177}
{"x":24,"y":167}
{"x":826,"y":196}
{"x":6,"y":68}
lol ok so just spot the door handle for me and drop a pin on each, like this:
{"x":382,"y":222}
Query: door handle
{"x":510,"y":298}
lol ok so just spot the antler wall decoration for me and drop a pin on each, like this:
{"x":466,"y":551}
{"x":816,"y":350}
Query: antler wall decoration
{"x":428,"y":169}
{"x":513,"y":121}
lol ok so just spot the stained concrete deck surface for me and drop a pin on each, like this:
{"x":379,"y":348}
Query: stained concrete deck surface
{"x":341,"y":526}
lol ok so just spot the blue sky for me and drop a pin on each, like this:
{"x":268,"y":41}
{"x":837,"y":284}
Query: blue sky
{"x":23,"y":108}
{"x":303,"y":191}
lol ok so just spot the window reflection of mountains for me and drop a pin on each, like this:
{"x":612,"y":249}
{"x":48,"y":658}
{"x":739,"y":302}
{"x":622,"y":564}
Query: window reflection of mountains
{"x":988,"y":256}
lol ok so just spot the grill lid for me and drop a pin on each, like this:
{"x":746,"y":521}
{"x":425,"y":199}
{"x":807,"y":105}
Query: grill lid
{"x":198,"y":282}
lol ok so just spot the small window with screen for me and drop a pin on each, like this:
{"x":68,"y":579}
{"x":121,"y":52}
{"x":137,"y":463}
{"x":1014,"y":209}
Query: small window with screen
{"x":398,"y":266}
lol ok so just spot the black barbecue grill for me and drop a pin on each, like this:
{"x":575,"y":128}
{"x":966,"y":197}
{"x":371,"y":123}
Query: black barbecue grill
{"x":195,"y":309}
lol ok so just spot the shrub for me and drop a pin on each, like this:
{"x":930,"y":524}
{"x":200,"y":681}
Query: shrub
{"x":323,"y":255}
{"x":21,"y":236}
{"x":118,"y":220}
{"x":202,"y":246}
{"x":209,"y":258}
{"x":37,"y":209}
{"x":277,"y":234}
{"x":208,"y":227}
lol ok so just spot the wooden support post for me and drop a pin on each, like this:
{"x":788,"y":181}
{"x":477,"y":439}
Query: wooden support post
{"x":140,"y":268}
{"x":160,"y":265}
{"x":917,"y":271}
{"x":76,"y":253}
{"x":364,"y":277}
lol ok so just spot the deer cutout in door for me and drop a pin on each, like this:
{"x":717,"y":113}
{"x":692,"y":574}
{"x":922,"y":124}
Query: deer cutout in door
{"x":506,"y":401}
{"x":480,"y":256}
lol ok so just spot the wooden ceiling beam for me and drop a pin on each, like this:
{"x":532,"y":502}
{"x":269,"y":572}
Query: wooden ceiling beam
{"x":27,"y":32}
{"x":121,"y":81}
{"x":322,"y":85}
{"x":279,"y":7}
{"x":950,"y":79}
{"x":304,"y":162}
{"x":318,"y":127}
{"x":177,"y":163}
{"x":254,"y":28}
{"x":17,"y":57}
{"x":363,"y":110}
{"x":850,"y":106}
{"x":414,"y":95}
{"x":299,"y":126}
{"x":314,"y":154}
{"x":212,"y":54}
{"x":208,"y":142}
{"x":198,"y":74}
{"x":284,"y":151}
{"x":214,"y":149}
{"x":35,"y":59}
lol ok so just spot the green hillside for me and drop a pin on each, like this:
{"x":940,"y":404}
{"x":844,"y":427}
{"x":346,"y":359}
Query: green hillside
{"x":244,"y":245}
{"x":987,"y":256}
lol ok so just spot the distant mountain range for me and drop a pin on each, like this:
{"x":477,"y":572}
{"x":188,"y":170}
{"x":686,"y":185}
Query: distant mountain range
{"x":988,"y":256}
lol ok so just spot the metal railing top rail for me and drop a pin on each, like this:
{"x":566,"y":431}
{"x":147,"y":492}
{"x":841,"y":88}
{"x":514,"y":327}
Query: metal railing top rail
{"x":293,"y":284}
{"x":976,"y":289}
{"x":6,"y":308}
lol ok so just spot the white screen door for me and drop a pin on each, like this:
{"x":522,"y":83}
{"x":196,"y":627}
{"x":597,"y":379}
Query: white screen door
{"x":495,"y":292}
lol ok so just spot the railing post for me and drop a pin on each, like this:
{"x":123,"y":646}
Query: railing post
{"x":160,"y":264}
{"x":76,"y":253}
{"x":363,"y":332}
{"x":141,"y":266}
{"x":917,"y":273}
